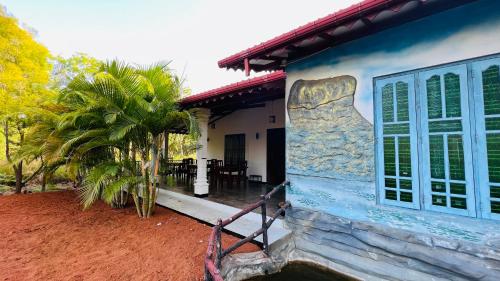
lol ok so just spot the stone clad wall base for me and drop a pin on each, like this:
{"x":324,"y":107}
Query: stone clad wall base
{"x":367,"y":251}
{"x":386,"y":253}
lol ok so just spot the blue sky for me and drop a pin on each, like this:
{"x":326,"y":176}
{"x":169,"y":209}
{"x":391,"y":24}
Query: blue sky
{"x":194,"y":34}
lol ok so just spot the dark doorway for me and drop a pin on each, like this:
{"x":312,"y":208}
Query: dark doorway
{"x":234,"y":149}
{"x":275,"y":155}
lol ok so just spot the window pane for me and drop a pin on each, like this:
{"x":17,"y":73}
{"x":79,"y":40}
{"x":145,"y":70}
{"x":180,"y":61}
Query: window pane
{"x":495,"y":207}
{"x":436,"y":146}
{"x":459,"y":203}
{"x":434,"y":97}
{"x":404,"y":157}
{"x":491,"y":89}
{"x":445,"y":126}
{"x":406,"y":196}
{"x":391,"y":183}
{"x":456,"y":157}
{"x":394,"y":129}
{"x":234,"y":149}
{"x":405,"y":184}
{"x":493,"y":147}
{"x":389,"y":156}
{"x":438,"y":186}
{"x":493,"y":124}
{"x":402,"y":101}
{"x":391,"y":195}
{"x":387,"y":103}
{"x":457,"y":188}
{"x":452,"y":95}
{"x":495,"y":191}
{"x":439,"y":200}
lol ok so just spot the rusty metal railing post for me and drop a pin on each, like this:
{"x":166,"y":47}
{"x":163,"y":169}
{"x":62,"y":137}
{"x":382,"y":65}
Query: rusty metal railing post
{"x":265,"y":244}
{"x":218,"y":245}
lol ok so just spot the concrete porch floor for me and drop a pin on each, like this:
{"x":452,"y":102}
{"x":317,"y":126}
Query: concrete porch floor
{"x":234,"y":195}
{"x":209,"y":212}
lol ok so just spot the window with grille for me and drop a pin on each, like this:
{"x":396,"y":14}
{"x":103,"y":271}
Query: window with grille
{"x":438,"y":138}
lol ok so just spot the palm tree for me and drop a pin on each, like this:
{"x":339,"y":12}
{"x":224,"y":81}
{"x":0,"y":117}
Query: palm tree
{"x":120,"y":113}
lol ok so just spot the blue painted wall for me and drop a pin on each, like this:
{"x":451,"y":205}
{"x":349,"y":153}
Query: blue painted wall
{"x":462,"y":33}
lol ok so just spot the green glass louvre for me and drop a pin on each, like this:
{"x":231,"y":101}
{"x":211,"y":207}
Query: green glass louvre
{"x":405,"y":184}
{"x":390,"y":156}
{"x":436,"y":147}
{"x":493,"y":124}
{"x":457,"y":188}
{"x":404,"y":152}
{"x":397,"y":129}
{"x":495,"y":207}
{"x":445,"y":126}
{"x":402,"y":101}
{"x":438,"y":186}
{"x":390,"y":183}
{"x":493,"y":147}
{"x":452,"y":95}
{"x":391,"y":195}
{"x":495,"y":191}
{"x":439,"y":200}
{"x":456,"y":157}
{"x":458,"y":203}
{"x":434,"y":105}
{"x":388,"y":103}
{"x":406,"y":196}
{"x":491,"y":90}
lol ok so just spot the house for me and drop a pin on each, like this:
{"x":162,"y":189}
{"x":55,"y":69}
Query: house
{"x":391,"y":110}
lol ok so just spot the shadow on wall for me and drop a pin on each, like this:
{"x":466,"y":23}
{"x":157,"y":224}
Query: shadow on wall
{"x":327,"y":137}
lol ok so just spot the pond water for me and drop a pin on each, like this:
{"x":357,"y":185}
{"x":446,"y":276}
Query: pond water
{"x":303,"y":272}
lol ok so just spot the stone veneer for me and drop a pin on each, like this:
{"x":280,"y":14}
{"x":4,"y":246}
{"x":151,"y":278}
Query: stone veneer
{"x":368,"y":251}
{"x":327,"y":136}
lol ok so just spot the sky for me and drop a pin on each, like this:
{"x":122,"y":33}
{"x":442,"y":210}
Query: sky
{"x":192,"y":34}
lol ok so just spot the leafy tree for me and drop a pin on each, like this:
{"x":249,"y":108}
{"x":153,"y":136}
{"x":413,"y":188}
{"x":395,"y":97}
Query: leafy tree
{"x":24,"y":74}
{"x":43,"y":138}
{"x":66,"y":69}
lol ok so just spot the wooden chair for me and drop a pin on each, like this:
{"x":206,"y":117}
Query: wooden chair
{"x":242,"y":171}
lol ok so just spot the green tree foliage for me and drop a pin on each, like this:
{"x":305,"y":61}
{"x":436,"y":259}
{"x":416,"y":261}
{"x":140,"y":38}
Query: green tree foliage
{"x":24,"y":74}
{"x":41,"y":144}
{"x":66,"y":69}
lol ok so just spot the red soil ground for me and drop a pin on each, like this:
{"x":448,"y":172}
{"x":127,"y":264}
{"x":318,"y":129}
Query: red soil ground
{"x":47,"y":236}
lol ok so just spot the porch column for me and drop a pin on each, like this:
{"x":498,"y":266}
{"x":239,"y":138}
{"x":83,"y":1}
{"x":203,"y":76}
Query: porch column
{"x":201,"y":183}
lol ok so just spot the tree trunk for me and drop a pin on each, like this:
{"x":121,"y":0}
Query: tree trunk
{"x":44,"y":181}
{"x":145,"y":189}
{"x":165,"y":159}
{"x":18,"y":169}
{"x":6,"y":133}
{"x":155,"y":163}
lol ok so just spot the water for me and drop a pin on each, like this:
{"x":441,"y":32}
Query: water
{"x":303,"y":272}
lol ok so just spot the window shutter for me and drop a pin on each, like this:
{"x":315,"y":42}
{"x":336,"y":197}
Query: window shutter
{"x":487,"y":110}
{"x":397,"y":173}
{"x":447,"y":181}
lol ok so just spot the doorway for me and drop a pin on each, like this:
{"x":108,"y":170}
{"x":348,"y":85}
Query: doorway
{"x":276,"y":155}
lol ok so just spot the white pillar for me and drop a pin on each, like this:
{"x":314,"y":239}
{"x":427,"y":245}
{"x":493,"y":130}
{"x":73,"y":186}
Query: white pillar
{"x":201,"y":183}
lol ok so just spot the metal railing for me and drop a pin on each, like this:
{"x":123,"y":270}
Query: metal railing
{"x":215,"y":252}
